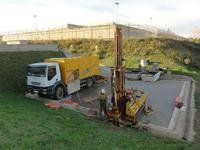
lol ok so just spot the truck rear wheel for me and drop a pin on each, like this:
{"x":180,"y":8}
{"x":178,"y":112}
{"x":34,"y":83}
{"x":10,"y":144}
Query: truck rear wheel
{"x":89,"y":82}
{"x":59,"y":93}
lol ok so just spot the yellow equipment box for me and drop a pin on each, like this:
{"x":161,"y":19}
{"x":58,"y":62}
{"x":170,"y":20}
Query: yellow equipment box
{"x":133,"y":107}
{"x":77,"y":67}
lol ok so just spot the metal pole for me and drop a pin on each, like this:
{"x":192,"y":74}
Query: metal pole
{"x":91,"y":32}
{"x":117,"y":12}
{"x":36,"y":28}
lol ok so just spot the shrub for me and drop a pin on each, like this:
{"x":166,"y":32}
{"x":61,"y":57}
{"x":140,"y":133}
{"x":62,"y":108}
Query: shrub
{"x":13,"y":68}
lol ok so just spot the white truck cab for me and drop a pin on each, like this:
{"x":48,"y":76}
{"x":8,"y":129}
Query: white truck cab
{"x":42,"y":77}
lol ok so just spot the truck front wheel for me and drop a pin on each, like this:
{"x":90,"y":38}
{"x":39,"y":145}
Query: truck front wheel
{"x":59,"y":93}
{"x":40,"y":94}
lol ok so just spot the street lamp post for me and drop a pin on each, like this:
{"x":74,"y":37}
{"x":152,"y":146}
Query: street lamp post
{"x":117,"y":12}
{"x":36,"y":28}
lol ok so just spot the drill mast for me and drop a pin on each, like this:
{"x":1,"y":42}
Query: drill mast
{"x":118,"y":72}
{"x":126,"y":104}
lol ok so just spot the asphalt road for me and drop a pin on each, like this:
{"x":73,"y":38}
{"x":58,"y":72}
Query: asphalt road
{"x":161,"y":96}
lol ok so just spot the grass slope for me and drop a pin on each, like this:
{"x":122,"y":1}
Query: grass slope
{"x":13,"y":68}
{"x":170,"y":53}
{"x":197,"y":106}
{"x":27,"y":124}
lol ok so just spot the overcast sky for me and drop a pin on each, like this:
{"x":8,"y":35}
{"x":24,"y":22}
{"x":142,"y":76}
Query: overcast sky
{"x":180,"y":16}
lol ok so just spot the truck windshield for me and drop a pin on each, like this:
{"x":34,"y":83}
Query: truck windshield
{"x":38,"y":71}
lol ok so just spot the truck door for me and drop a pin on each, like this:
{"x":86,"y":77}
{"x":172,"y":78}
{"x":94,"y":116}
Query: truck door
{"x":52,"y":75}
{"x":74,"y":84}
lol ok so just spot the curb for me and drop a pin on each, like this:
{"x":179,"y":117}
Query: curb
{"x":182,"y":121}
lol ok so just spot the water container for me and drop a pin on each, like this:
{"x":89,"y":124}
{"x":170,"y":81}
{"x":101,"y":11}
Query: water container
{"x":143,"y":62}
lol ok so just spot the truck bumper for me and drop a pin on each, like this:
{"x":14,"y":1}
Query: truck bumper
{"x":42,"y":90}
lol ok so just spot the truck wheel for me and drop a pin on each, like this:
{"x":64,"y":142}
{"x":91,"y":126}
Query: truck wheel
{"x":59,"y":93}
{"x":40,"y":94}
{"x":89,"y":82}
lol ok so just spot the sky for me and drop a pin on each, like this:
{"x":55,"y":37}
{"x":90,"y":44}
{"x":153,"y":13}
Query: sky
{"x":181,"y":16}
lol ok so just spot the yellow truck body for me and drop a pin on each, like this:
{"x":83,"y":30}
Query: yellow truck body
{"x":77,"y":67}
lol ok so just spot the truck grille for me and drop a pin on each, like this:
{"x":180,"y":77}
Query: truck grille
{"x":35,"y":83}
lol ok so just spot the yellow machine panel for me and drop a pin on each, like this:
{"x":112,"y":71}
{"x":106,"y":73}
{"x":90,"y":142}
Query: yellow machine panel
{"x":133,"y":106}
{"x":77,"y":67}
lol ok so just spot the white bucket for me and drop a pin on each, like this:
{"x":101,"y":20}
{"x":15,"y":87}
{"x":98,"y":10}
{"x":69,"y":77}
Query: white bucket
{"x":143,"y":62}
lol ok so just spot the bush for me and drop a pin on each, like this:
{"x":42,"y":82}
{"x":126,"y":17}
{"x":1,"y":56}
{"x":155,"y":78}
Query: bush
{"x":13,"y":68}
{"x":161,"y":50}
{"x":73,"y":51}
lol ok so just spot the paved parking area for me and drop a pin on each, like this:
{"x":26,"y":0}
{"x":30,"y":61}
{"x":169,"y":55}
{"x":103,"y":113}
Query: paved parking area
{"x":161,"y":96}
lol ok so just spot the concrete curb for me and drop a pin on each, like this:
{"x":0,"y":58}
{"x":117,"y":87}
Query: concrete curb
{"x":182,"y":121}
{"x":176,"y":111}
{"x":189,"y":134}
{"x":160,"y":131}
{"x":180,"y":127}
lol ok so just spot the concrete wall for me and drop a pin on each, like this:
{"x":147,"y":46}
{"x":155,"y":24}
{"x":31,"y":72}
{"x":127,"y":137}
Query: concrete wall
{"x":16,"y":42}
{"x":87,"y":32}
{"x":134,"y":33}
{"x":98,"y":32}
{"x":90,"y":32}
{"x":30,"y":47}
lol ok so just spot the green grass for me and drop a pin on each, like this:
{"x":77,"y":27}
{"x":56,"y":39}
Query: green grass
{"x":28,"y":124}
{"x":197,"y":106}
{"x":168,"y":52}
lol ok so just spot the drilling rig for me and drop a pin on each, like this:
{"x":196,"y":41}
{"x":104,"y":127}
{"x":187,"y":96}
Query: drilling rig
{"x":126,"y":104}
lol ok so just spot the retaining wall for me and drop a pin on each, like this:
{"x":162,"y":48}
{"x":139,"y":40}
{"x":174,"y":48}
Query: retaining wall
{"x":28,"y":47}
